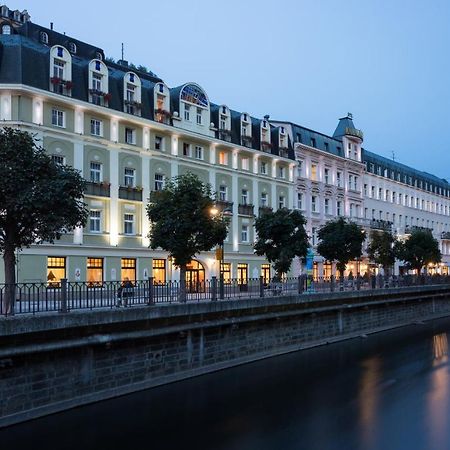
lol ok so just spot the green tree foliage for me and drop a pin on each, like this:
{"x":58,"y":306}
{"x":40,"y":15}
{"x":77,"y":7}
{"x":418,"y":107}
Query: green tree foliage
{"x":39,"y":199}
{"x":340,"y":241}
{"x":281,"y":237}
{"x":381,"y":249}
{"x":420,"y":249}
{"x":182,"y":223}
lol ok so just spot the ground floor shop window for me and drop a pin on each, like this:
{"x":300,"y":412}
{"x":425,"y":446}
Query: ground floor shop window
{"x":315,"y":271}
{"x":94,"y":273}
{"x":159,"y":271}
{"x":56,"y":270}
{"x":226,"y":270}
{"x":265,"y":273}
{"x":327,"y":270}
{"x":242,"y":274}
{"x":128,"y":269}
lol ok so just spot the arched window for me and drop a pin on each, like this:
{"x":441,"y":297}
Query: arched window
{"x":60,"y":70}
{"x":72,"y":48}
{"x":193,"y":94}
{"x":224,"y":124}
{"x":6,"y":29}
{"x":195,"y":106}
{"x":43,"y":37}
{"x":246,"y":130}
{"x":99,"y":56}
{"x":132,"y":94}
{"x":265,"y":135}
{"x":98,"y":83}
{"x":162,"y":103}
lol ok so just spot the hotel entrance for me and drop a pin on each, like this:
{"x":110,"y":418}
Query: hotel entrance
{"x":195,"y":277}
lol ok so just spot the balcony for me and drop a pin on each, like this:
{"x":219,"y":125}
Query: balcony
{"x":264,"y":210}
{"x":97,"y":189}
{"x":222,"y":205}
{"x":224,"y":135}
{"x":384,"y":225}
{"x":445,"y":235}
{"x":130,"y":193}
{"x":246,"y":210}
{"x":411,"y":228}
{"x":266,"y":146}
{"x":354,"y":132}
{"x":283,"y":152}
{"x":247,"y":141}
{"x":162,"y":115}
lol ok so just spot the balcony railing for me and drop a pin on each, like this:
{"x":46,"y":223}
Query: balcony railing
{"x":222,"y":205}
{"x":97,"y":189}
{"x":445,"y":235}
{"x":264,"y":210}
{"x":130,"y":193}
{"x":266,"y":146}
{"x":247,"y":141}
{"x":225,"y":135}
{"x":283,"y":152}
{"x":411,"y":228}
{"x":246,"y":210}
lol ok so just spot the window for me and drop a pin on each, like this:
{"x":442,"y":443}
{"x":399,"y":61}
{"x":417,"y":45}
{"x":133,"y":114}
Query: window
{"x":95,"y":221}
{"x":326,"y":146}
{"x":313,"y":236}
{"x":300,"y":201}
{"x":327,"y":206}
{"x":244,"y":233}
{"x":128,"y":224}
{"x":129,"y":178}
{"x":281,"y":172}
{"x":313,"y":203}
{"x":6,"y":29}
{"x":223,"y":122}
{"x":159,"y":182}
{"x":299,"y":137}
{"x":352,"y":207}
{"x":300,"y":168}
{"x":159,"y":271}
{"x":130,"y":97}
{"x":60,"y":160}
{"x":314,"y":172}
{"x":130,"y":136}
{"x":263,"y":168}
{"x":245,"y":164}
{"x":244,"y":197}
{"x":187,"y":109}
{"x":380,"y":194}
{"x":72,"y":48}
{"x":97,"y":82}
{"x":223,"y":193}
{"x":199,"y":116}
{"x":58,"y":68}
{"x":128,"y":269}
{"x":56,"y":270}
{"x":96,"y":127}
{"x":223,"y":158}
{"x":43,"y":37}
{"x":94,"y":273}
{"x":327,"y":176}
{"x":372,"y":191}
{"x":198,"y":152}
{"x":58,"y":118}
{"x":339,"y":179}
{"x":186,"y":149}
{"x":313,"y":142}
{"x":365,"y":190}
{"x":339,"y":208}
{"x":281,"y":202}
{"x":158,"y":143}
{"x":96,"y":172}
{"x":264,"y":199}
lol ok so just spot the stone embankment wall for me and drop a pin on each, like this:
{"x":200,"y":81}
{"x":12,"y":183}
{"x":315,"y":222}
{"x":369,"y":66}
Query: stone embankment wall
{"x":53,"y":362}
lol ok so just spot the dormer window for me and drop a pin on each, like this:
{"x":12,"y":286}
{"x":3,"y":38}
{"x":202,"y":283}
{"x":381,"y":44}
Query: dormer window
{"x":72,"y":48}
{"x":224,"y":123}
{"x":161,"y":88}
{"x":246,"y":130}
{"x":43,"y":36}
{"x":265,"y":137}
{"x":195,"y":106}
{"x":99,"y":56}
{"x":98,"y":83}
{"x":6,"y":29}
{"x":132,"y":94}
{"x":60,"y":71}
{"x":162,"y":103}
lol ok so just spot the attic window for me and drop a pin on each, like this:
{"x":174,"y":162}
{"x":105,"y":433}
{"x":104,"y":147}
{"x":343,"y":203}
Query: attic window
{"x":99,"y":56}
{"x":161,"y":88}
{"x":6,"y":29}
{"x":72,"y":47}
{"x":132,"y":77}
{"x":44,"y":37}
{"x":224,"y":109}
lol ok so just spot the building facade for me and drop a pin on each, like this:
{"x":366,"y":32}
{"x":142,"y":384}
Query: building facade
{"x":127,"y":131}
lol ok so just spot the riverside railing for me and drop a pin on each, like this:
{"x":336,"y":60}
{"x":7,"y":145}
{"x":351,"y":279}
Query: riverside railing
{"x":37,"y":298}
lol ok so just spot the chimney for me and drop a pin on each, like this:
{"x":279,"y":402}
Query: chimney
{"x":51,"y":26}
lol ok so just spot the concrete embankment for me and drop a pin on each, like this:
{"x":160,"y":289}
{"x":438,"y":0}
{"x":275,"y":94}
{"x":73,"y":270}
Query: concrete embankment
{"x":53,"y":362}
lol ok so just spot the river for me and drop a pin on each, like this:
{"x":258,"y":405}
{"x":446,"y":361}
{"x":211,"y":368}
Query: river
{"x":387,"y":391}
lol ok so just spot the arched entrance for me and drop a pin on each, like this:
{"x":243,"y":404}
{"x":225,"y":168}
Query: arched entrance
{"x":195,"y":277}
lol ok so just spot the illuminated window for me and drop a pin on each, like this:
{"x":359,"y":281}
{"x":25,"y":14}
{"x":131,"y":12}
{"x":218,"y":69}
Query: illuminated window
{"x":56,"y":270}
{"x":314,"y":172}
{"x":223,"y":158}
{"x":226,"y":270}
{"x":265,"y":273}
{"x":94,"y":273}
{"x":242,"y":273}
{"x":128,"y":269}
{"x":159,"y":271}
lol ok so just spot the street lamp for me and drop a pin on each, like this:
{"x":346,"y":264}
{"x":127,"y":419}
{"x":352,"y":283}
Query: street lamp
{"x":226,"y":213}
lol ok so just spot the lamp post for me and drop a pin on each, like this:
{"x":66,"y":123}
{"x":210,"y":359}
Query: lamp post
{"x":226,"y":213}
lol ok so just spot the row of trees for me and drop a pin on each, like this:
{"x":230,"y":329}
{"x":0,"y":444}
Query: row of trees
{"x":40,"y":200}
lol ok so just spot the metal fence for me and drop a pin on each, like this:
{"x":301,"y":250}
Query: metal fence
{"x":35,"y":298}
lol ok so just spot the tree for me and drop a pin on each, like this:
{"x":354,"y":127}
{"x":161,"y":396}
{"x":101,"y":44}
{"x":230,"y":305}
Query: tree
{"x":340,"y":241}
{"x":281,"y":237}
{"x":182,"y":223}
{"x":381,"y":249}
{"x":39,"y":200}
{"x":418,"y":250}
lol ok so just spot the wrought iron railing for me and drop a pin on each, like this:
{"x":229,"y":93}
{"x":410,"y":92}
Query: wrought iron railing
{"x":41,"y":298}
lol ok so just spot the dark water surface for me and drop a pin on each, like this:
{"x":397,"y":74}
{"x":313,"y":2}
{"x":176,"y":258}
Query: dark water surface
{"x":389,"y":391}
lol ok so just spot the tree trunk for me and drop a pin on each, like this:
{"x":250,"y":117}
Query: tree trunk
{"x":9,"y":260}
{"x":182,"y":293}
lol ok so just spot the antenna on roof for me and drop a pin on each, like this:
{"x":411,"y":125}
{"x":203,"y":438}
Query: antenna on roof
{"x":122,"y":52}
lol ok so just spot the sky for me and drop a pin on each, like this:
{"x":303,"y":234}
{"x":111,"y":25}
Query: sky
{"x":306,"y":61}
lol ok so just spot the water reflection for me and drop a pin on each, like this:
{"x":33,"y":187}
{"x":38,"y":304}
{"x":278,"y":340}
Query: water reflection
{"x":368,"y":400}
{"x":437,"y":398}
